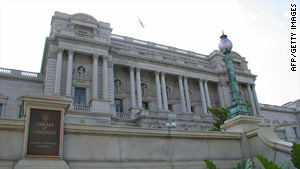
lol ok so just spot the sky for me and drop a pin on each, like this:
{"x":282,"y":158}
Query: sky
{"x":259,"y":30}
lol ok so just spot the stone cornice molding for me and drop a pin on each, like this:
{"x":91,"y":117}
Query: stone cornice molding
{"x":135,"y":131}
{"x":82,"y":40}
{"x":134,"y":57}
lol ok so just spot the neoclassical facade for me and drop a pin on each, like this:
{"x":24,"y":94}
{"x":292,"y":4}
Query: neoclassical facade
{"x":121,"y":81}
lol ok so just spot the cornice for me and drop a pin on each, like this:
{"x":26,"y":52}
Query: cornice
{"x":155,"y":61}
{"x":82,"y":40}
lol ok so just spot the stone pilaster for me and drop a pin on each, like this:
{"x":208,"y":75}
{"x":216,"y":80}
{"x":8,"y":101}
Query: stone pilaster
{"x":104,"y":77}
{"x":203,"y":100}
{"x":69,"y":73}
{"x":58,"y":71}
{"x":182,"y":99}
{"x":158,"y":91}
{"x":164,"y":91}
{"x":132,"y":88}
{"x":187,"y":95}
{"x":138,"y":87}
{"x":95,"y":76}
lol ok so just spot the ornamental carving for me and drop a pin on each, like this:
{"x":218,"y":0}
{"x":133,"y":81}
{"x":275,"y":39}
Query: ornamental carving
{"x":119,"y":86}
{"x":145,"y":89}
{"x":81,"y":74}
{"x":170,"y":93}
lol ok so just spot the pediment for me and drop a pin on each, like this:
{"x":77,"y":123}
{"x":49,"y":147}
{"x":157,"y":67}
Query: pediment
{"x":84,"y":18}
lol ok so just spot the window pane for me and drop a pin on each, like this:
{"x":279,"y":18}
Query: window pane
{"x":118,"y":103}
{"x":0,"y":109}
{"x":79,"y":97}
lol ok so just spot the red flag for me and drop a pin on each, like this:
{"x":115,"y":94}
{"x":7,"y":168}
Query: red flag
{"x":141,"y":23}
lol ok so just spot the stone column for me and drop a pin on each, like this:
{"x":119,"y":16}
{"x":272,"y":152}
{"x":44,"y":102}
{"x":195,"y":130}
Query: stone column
{"x":255,"y":100}
{"x":221,"y":99}
{"x":69,"y":73}
{"x":158,"y":90}
{"x":207,"y":94}
{"x":104,"y":77}
{"x":164,"y":91}
{"x":187,"y":95}
{"x":138,"y":87}
{"x":251,"y":99}
{"x":132,"y":88}
{"x":95,"y":76}
{"x":204,"y":107}
{"x":58,"y":71}
{"x":181,"y":93}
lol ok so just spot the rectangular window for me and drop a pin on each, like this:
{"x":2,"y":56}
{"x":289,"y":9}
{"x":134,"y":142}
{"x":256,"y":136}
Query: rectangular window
{"x":118,"y":103}
{"x":145,"y":105}
{"x":21,"y":114}
{"x":170,"y":107}
{"x":193,"y":109}
{"x":1,"y":105}
{"x":79,"y":96}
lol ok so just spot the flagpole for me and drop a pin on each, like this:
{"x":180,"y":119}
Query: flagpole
{"x":139,"y":28}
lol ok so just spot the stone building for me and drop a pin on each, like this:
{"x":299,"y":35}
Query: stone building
{"x":116,"y":80}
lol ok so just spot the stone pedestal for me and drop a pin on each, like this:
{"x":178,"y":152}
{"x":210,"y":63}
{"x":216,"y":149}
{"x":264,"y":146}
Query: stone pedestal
{"x":41,"y":164}
{"x":44,"y":132}
{"x":241,"y":123}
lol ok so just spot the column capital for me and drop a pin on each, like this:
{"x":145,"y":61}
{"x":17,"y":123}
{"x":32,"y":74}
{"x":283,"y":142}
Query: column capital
{"x":200,"y":80}
{"x":185,"y":77}
{"x":180,"y":77}
{"x":252,"y":84}
{"x":70,"y":51}
{"x":138,"y":69}
{"x":157,"y":72}
{"x":248,"y":84}
{"x":95,"y":56}
{"x":60,"y":49}
{"x":131,"y":67}
{"x":163,"y":73}
{"x":104,"y":57}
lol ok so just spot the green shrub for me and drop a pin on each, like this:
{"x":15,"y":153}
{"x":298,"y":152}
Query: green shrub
{"x":220,"y":115}
{"x":210,"y":164}
{"x":296,"y":155}
{"x":245,"y":164}
{"x":270,"y":164}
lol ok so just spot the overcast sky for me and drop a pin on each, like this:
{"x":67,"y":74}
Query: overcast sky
{"x":260,"y":32}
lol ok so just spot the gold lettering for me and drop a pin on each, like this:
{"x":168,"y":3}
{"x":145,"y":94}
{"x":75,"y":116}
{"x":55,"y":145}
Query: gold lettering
{"x":42,"y":132}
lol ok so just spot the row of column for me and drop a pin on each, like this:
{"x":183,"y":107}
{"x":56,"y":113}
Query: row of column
{"x":161,"y":93}
{"x":57,"y":86}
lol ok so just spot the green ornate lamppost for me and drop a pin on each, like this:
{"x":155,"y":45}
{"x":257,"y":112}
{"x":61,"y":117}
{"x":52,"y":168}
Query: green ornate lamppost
{"x":237,"y":106}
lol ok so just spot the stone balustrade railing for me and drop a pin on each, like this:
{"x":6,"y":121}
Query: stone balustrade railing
{"x":81,"y":107}
{"x":20,"y":74}
{"x":277,"y":108}
{"x":124,"y":115}
{"x":151,"y":44}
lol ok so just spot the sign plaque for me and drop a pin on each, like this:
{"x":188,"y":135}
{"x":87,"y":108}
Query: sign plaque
{"x":44,"y":133}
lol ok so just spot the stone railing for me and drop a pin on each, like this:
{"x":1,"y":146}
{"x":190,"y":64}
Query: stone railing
{"x":124,"y":115}
{"x":97,"y":38}
{"x":277,"y":108}
{"x":81,"y":107}
{"x":20,"y":74}
{"x":81,"y":35}
{"x":154,"y":45}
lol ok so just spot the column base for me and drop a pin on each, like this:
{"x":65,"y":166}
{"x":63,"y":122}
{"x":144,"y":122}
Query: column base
{"x":41,"y":164}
